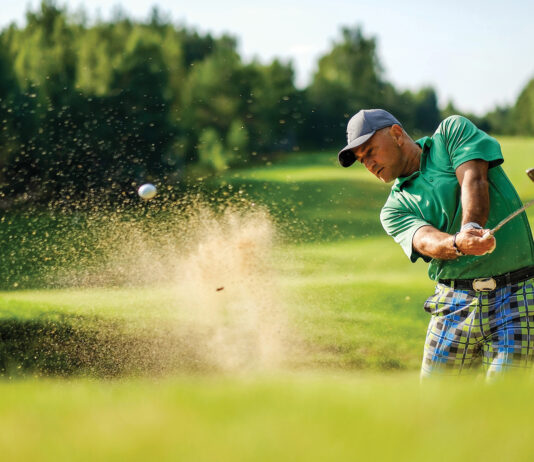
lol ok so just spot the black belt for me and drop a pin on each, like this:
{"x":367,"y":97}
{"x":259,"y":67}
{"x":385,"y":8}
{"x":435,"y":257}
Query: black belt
{"x":489,"y":284}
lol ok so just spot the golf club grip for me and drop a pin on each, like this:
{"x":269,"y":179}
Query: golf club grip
{"x":486,"y":236}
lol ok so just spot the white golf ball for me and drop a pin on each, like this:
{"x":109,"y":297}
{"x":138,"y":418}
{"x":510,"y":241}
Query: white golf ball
{"x":147,"y":191}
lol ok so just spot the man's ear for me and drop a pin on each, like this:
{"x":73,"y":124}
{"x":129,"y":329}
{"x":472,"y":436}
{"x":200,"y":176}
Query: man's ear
{"x":397,"y":133}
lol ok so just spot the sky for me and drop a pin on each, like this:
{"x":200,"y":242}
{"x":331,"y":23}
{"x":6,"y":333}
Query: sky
{"x":478,"y":54}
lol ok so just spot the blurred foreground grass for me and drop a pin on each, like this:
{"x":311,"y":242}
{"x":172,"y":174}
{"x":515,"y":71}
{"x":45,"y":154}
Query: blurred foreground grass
{"x":285,"y":418}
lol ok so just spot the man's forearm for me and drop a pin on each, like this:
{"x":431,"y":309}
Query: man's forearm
{"x":434,"y":243}
{"x":473,"y":179}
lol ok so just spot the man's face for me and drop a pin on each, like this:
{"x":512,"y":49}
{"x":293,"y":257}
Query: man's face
{"x":381,"y":155}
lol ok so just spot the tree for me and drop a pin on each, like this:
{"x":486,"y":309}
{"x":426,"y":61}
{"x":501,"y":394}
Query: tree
{"x":348,"y":78}
{"x":273,"y":111}
{"x":237,"y":142}
{"x":44,"y":54}
{"x":211,"y":151}
{"x":523,"y":112}
{"x":14,"y":132}
{"x":101,"y":105}
{"x":141,"y":121}
{"x":426,"y":113}
{"x":212,"y":96}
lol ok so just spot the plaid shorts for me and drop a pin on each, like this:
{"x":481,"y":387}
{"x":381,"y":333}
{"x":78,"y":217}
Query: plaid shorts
{"x":470,"y":329}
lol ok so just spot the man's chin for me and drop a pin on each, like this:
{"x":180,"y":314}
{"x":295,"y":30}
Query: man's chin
{"x":384,"y":177}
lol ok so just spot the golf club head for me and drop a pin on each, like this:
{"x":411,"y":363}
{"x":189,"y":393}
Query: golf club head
{"x":530,"y":173}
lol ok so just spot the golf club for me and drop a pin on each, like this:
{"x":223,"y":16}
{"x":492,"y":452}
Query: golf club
{"x":491,"y":232}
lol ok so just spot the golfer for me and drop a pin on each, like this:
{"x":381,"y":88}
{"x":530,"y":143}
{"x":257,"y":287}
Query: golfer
{"x":448,"y":188}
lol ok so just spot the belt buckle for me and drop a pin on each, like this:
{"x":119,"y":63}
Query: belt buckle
{"x":484,"y":284}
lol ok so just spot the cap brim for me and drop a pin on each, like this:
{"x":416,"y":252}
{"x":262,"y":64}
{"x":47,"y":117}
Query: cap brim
{"x":346,"y":157}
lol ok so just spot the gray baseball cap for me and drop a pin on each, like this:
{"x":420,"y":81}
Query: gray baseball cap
{"x":361,"y":127}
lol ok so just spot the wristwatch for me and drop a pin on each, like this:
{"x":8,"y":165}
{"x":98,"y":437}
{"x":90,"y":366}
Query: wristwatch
{"x":471,"y":225}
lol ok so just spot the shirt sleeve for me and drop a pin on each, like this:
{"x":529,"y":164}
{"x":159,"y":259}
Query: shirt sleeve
{"x":402,"y":224}
{"x":465,"y":142}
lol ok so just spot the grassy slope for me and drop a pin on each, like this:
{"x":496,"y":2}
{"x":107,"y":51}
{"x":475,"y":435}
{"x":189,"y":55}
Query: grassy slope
{"x":349,"y":290}
{"x":345,"y":295}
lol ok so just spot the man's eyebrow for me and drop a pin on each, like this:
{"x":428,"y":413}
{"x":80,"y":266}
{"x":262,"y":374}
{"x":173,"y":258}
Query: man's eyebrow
{"x":360,"y":153}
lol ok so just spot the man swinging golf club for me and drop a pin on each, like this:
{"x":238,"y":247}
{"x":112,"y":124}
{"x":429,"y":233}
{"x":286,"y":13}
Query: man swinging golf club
{"x":447,"y":189}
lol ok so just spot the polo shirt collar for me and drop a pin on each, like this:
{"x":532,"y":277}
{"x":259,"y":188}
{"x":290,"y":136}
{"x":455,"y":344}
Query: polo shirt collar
{"x":425,"y":144}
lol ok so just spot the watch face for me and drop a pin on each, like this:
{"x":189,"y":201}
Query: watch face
{"x":471,"y":225}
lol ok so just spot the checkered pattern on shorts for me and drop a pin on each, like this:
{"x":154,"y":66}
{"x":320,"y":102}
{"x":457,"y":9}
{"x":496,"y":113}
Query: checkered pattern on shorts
{"x":468,"y":329}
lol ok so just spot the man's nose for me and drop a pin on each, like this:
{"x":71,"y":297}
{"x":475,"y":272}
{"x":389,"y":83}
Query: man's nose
{"x":370,"y":165}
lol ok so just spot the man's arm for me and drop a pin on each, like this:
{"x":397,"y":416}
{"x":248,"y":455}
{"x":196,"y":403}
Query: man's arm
{"x":473,"y":179}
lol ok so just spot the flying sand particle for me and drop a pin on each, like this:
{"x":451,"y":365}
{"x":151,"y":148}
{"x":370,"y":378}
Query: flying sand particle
{"x":190,"y":247}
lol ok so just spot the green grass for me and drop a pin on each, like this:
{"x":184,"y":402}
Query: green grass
{"x":287,"y":418}
{"x":350,"y":294}
{"x":316,"y":199}
{"x":352,"y":305}
{"x":348,"y":390}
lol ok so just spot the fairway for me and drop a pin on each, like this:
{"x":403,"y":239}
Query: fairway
{"x":304,"y":417}
{"x":339,"y":332}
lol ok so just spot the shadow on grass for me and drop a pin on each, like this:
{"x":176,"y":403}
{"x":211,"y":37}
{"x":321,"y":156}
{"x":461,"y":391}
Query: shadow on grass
{"x":66,"y":345}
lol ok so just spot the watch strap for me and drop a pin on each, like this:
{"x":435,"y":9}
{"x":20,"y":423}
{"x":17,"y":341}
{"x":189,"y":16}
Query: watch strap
{"x":456,"y":249}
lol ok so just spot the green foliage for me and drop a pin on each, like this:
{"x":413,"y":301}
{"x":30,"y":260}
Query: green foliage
{"x":45,"y":55}
{"x":426,"y":113}
{"x":237,"y":140}
{"x":274,"y":113}
{"x":108,"y":104}
{"x":523,"y":112}
{"x":500,"y":121}
{"x":348,"y":78}
{"x":211,"y":150}
{"x":13,"y":107}
{"x":212,"y":91}
{"x":484,"y":123}
{"x":350,"y":68}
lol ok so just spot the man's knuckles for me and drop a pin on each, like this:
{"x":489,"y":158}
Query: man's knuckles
{"x":473,"y":243}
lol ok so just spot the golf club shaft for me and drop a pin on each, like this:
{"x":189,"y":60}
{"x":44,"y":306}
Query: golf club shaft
{"x":488,"y":234}
{"x":508,"y":218}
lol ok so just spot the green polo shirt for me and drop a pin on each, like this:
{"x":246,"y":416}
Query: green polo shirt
{"x":432,"y":196}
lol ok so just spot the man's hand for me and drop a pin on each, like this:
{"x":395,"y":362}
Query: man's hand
{"x":436,"y":244}
{"x":471,"y":242}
